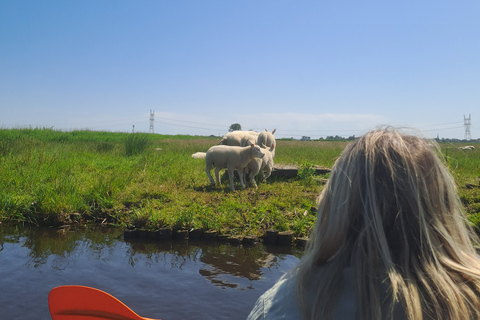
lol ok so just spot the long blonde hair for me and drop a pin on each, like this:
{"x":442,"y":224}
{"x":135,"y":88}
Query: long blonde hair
{"x":391,"y":212}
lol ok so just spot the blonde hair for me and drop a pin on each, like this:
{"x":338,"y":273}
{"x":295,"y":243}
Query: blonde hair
{"x":391,"y":212}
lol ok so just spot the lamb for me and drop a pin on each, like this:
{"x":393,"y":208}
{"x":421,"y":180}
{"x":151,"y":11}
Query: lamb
{"x":234,"y":138}
{"x":257,"y":165}
{"x":267,"y":138}
{"x":232,"y":158}
{"x":245,"y":138}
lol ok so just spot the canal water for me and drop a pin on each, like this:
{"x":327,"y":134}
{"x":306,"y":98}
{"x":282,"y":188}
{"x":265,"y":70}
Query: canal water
{"x":162,"y":280}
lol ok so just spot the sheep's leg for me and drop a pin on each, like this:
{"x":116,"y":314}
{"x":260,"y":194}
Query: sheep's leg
{"x":241,"y":174}
{"x":245,"y":174}
{"x":230,"y":178}
{"x":217,"y":175}
{"x":207,"y":170}
{"x":252,"y":180}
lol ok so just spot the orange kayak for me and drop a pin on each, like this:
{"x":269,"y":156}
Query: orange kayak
{"x":85,"y":303}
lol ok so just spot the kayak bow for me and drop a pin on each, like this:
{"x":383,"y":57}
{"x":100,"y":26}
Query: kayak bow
{"x":86,"y":303}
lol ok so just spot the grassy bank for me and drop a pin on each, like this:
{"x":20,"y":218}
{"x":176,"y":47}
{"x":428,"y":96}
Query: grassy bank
{"x":148,"y":180}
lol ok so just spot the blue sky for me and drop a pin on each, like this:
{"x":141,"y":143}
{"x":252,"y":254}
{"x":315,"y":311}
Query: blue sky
{"x":314,"y":68}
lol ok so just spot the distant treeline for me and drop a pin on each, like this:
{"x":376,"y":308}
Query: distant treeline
{"x":448,"y":140}
{"x":340,"y":138}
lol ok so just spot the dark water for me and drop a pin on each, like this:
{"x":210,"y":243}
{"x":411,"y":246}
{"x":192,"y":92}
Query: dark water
{"x":161,"y":280}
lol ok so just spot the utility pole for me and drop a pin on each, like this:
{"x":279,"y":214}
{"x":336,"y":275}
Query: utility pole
{"x":152,"y":121}
{"x":467,"y":123}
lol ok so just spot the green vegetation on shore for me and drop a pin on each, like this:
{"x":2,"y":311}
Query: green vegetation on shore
{"x":50,"y":177}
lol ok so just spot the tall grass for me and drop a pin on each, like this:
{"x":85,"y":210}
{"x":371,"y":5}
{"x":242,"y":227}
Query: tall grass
{"x":322,"y":153}
{"x":148,"y":180}
{"x":135,"y":143}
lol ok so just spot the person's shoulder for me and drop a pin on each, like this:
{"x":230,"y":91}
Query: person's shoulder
{"x":279,"y":302}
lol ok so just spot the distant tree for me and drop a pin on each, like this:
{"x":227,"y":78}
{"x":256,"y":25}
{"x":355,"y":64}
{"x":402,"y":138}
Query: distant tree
{"x":235,"y":127}
{"x":337,"y":137}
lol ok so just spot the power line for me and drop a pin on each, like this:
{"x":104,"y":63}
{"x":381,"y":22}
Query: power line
{"x":207,"y":124}
{"x":185,"y":126}
{"x":99,"y":125}
{"x":216,"y":127}
{"x":320,"y":131}
{"x":121,"y":121}
{"x":448,"y":128}
{"x":442,"y":124}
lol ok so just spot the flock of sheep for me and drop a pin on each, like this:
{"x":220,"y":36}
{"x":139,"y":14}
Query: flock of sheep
{"x":248,"y":152}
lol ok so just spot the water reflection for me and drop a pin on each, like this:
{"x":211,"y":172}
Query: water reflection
{"x":220,"y":263}
{"x":165,"y":280}
{"x":58,"y":244}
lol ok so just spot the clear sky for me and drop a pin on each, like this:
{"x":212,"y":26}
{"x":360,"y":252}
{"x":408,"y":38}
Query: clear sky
{"x":313,"y":68}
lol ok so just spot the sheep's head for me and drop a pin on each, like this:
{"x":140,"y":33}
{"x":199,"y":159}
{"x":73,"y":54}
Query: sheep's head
{"x":257,"y":151}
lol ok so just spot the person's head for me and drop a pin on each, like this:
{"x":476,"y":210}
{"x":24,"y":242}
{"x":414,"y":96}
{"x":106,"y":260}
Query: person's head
{"x":391,"y":207}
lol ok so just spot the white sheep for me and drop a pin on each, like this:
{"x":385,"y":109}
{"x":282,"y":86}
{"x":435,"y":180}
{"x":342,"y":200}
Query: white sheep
{"x":248,"y":139}
{"x":257,"y":165}
{"x":467,"y":148}
{"x":199,"y":155}
{"x":267,"y":138}
{"x":230,"y":158}
{"x":234,"y":138}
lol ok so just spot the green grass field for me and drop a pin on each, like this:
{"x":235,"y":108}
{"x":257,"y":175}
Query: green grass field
{"x":50,"y":177}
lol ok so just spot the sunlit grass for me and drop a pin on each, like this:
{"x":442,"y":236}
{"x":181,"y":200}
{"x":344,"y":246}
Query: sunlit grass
{"x":52,"y":177}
